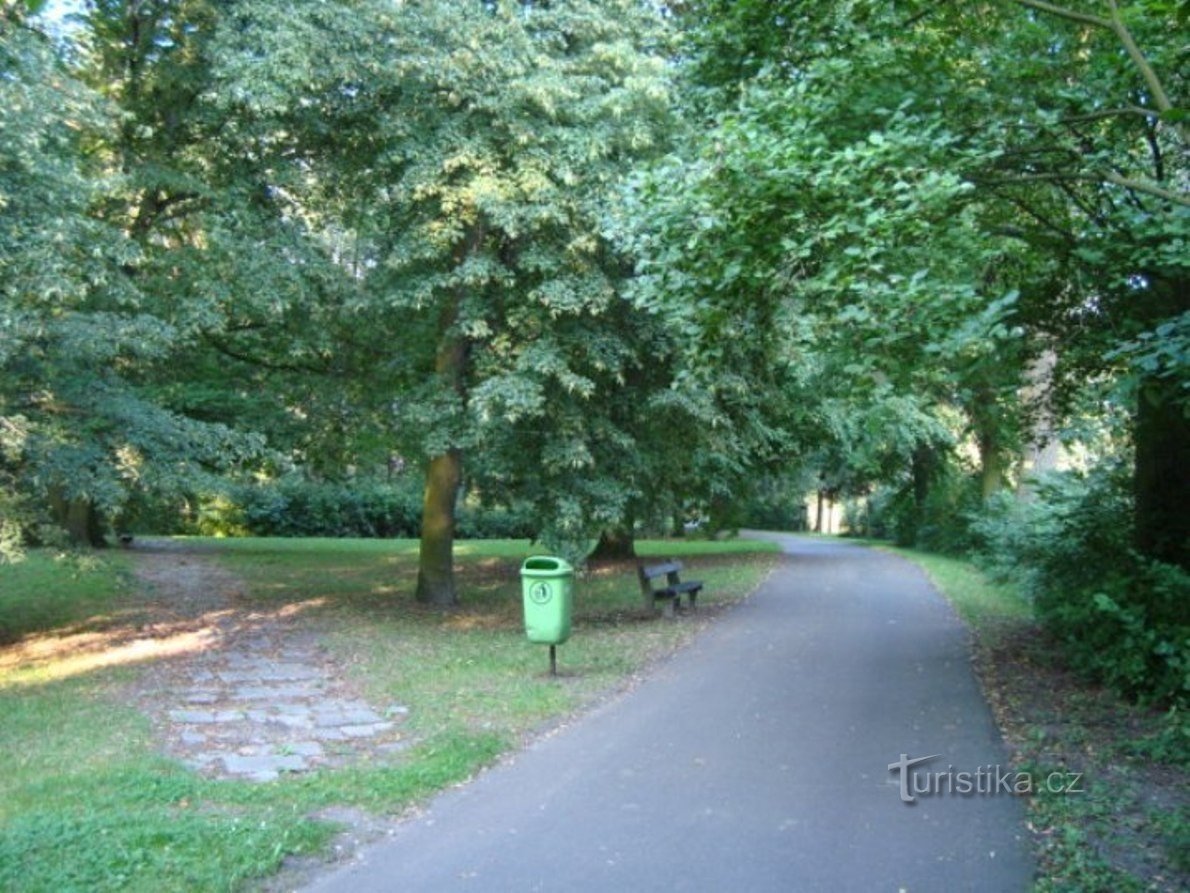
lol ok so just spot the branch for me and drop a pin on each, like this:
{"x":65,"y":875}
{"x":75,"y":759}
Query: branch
{"x":1112,"y":113}
{"x":1155,"y":152}
{"x":1146,"y":70}
{"x":261,"y":363}
{"x":1065,"y":235}
{"x":929,"y":10}
{"x":1105,"y":177}
{"x":1116,"y":25}
{"x":1148,"y":189}
{"x":1064,"y":13}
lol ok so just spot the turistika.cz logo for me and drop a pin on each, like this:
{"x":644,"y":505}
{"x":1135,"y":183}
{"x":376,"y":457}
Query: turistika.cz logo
{"x":986,"y":781}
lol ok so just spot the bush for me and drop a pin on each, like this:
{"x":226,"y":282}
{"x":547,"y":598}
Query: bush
{"x":1122,"y":618}
{"x":296,"y":507}
{"x":940,"y":524}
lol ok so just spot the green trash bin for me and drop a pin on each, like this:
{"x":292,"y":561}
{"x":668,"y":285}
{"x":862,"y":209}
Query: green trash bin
{"x":547,"y":584}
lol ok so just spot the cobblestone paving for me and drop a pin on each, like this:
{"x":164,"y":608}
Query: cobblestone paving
{"x":265,"y":699}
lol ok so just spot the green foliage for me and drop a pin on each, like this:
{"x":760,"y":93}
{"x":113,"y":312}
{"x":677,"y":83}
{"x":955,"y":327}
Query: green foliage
{"x":79,"y":328}
{"x":1122,"y":618}
{"x":937,"y":523}
{"x":295,"y":507}
{"x":466,"y":153}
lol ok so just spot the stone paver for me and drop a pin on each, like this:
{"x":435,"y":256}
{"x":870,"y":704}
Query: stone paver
{"x":273,"y":714}
{"x":266,"y":701}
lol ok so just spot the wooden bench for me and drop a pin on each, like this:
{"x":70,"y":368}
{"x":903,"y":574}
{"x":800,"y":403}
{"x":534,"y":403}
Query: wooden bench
{"x":671,"y":591}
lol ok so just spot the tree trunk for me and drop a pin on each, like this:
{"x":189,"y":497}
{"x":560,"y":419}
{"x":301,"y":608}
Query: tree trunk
{"x":818,"y":520}
{"x":1161,"y":435}
{"x":1162,"y":476}
{"x":444,"y":475}
{"x":78,"y":518}
{"x":925,"y":463}
{"x":923,"y":469}
{"x":435,"y":567}
{"x":1042,"y":449}
{"x":993,"y":465}
{"x":617,"y":544}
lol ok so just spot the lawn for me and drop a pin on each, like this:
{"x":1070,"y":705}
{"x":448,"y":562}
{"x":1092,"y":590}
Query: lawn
{"x":87,"y":802}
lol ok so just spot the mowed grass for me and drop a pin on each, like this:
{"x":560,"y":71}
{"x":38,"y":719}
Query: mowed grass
{"x":471,"y":669}
{"x":88,"y":803}
{"x":52,"y":591}
{"x":982,"y":603}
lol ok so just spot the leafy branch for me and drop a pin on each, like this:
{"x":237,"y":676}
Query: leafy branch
{"x":1116,"y":25}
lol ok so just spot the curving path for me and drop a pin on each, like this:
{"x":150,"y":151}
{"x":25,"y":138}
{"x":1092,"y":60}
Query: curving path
{"x":756,"y":759}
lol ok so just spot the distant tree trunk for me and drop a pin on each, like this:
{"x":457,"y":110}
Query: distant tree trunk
{"x":818,"y":519}
{"x":924,"y":466}
{"x":993,"y":464}
{"x":1042,"y":450}
{"x":923,"y":470}
{"x":1162,"y":477}
{"x":79,"y":518}
{"x":618,"y":544}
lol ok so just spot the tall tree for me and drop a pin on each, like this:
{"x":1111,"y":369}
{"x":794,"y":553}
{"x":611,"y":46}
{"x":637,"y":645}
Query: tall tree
{"x":80,"y":434}
{"x":820,"y":228}
{"x":1040,"y":153}
{"x":469,"y":146}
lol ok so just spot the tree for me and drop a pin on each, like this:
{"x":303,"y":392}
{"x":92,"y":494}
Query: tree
{"x":468,"y":146}
{"x":139,"y":239}
{"x":1028,"y":185}
{"x":824,"y":252}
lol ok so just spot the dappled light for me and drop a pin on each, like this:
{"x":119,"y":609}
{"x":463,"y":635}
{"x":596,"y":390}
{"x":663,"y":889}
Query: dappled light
{"x":49,"y":656}
{"x":322,"y":324}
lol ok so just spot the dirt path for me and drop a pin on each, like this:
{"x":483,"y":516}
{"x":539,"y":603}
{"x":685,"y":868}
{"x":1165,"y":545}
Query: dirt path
{"x":256,"y":695}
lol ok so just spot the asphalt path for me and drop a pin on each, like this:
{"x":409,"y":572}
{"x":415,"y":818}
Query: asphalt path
{"x":755,"y":759}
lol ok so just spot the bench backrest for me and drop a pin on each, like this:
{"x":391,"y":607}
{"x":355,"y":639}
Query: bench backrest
{"x":669,"y":570}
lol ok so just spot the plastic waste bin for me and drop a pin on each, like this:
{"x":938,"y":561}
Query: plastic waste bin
{"x":547,"y":584}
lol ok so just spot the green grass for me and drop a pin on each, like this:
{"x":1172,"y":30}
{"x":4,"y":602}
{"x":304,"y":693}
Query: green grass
{"x":49,"y":590}
{"x":982,"y":603}
{"x":88,"y":804}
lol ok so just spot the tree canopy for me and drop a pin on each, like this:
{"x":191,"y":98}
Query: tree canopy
{"x":612,"y":263}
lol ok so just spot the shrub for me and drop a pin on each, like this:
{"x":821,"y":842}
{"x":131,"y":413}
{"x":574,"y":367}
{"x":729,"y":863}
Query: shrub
{"x":939,"y":524}
{"x":1122,"y":618}
{"x":294,"y":507}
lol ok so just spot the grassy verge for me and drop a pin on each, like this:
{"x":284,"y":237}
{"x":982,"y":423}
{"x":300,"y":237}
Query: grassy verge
{"x":51,"y":591}
{"x":1127,"y":828}
{"x":87,"y":802}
